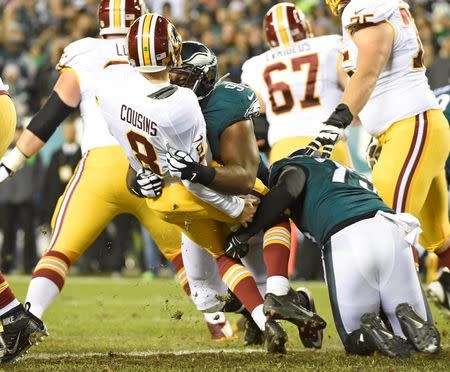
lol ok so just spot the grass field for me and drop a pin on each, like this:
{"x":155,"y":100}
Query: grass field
{"x":126,"y":324}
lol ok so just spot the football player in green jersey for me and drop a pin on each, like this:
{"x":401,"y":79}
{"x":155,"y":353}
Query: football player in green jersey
{"x":228,"y":109}
{"x":366,"y":252}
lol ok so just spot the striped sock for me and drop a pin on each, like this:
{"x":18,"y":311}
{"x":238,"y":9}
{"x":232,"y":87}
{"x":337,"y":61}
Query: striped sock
{"x":277,"y":241}
{"x":240,"y":281}
{"x":7,"y":298}
{"x":54,"y":266}
{"x":178,"y":265}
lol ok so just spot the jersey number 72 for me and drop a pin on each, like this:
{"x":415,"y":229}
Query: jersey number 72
{"x":309,"y":99}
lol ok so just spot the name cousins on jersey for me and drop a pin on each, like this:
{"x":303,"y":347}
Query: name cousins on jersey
{"x":275,"y":53}
{"x":138,"y":120}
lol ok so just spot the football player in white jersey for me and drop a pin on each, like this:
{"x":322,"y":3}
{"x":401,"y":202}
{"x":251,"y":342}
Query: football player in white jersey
{"x":99,"y":178}
{"x":16,"y":337}
{"x":298,"y":81}
{"x":151,"y":117}
{"x":389,"y":91}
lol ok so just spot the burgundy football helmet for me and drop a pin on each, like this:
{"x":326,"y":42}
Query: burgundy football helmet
{"x":285,"y":24}
{"x":116,"y":16}
{"x":154,"y":44}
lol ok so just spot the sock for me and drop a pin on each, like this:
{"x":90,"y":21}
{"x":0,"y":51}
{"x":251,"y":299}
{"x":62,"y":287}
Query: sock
{"x":277,"y":241}
{"x":215,"y":318}
{"x":240,"y":281}
{"x":444,"y":258}
{"x":278,"y":285}
{"x":259,"y":317}
{"x":54,"y":266}
{"x":41,"y":293}
{"x":178,"y":265}
{"x":7,"y":298}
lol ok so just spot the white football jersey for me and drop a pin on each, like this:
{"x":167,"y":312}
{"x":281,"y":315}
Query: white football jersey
{"x":298,"y":84}
{"x":3,"y":86}
{"x":147,"y":127}
{"x":402,"y":90}
{"x":88,"y":57}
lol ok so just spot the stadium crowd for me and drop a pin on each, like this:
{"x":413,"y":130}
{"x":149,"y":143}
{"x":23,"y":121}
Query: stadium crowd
{"x":36,"y":32}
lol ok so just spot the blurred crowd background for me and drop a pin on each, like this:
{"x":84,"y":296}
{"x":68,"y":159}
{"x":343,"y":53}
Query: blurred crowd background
{"x":34,"y":33}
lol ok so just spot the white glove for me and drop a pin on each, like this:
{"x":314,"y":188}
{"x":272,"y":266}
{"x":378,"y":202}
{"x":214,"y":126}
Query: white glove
{"x":5,"y":173}
{"x":181,"y":164}
{"x":147,"y":184}
{"x":373,"y":152}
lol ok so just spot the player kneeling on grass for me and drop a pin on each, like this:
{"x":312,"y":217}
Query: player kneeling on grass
{"x":366,"y":251}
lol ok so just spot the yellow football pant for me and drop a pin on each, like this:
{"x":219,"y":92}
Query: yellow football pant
{"x":410,"y":175}
{"x":285,"y":146}
{"x":96,"y":194}
{"x":7,"y":122}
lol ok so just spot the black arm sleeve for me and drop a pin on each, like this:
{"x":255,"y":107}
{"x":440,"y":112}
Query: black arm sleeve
{"x":263,"y":172}
{"x":48,"y":118}
{"x":287,"y":190}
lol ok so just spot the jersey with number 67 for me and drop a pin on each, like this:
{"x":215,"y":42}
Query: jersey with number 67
{"x":335,"y":194}
{"x":87,"y":58}
{"x":298,"y":85}
{"x":402,"y":90}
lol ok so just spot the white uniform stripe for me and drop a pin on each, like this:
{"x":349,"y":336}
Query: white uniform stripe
{"x":65,"y":202}
{"x":111,"y":13}
{"x":238,"y":277}
{"x":283,"y":239}
{"x":122,"y":13}
{"x":49,"y":260}
{"x":56,"y":268}
{"x":231,"y":273}
{"x":412,"y":160}
{"x":152,"y":38}
{"x":139,"y":42}
{"x":278,"y":231}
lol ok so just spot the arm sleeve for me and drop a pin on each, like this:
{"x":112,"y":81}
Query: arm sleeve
{"x":231,"y":205}
{"x":288,"y":189}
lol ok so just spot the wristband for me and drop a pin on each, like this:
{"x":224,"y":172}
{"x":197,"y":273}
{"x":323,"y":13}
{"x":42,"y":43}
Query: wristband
{"x":204,"y":174}
{"x":14,"y":160}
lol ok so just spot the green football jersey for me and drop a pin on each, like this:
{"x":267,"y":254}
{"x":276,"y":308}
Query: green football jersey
{"x":227,"y":104}
{"x":333,"y":197}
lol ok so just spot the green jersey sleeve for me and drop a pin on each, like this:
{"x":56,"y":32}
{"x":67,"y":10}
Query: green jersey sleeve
{"x":227,"y":104}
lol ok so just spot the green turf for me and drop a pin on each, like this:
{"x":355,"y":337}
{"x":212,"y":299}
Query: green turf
{"x":113,"y":317}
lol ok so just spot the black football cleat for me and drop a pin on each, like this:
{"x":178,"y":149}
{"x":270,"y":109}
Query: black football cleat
{"x":439,"y":290}
{"x":422,"y":334}
{"x":378,"y":338}
{"x":276,"y":337}
{"x":288,"y":308}
{"x":21,"y":330}
{"x":311,"y":337}
{"x":253,"y":335}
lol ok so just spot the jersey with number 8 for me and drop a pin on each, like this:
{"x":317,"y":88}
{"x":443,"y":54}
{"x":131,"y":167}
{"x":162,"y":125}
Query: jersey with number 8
{"x":298,"y":85}
{"x":402,"y":90}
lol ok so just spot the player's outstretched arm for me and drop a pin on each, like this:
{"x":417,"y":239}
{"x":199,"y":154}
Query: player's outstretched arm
{"x":62,"y":101}
{"x":287,"y":190}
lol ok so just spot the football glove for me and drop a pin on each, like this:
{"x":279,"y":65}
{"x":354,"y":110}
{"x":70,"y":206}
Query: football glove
{"x":332,"y":131}
{"x":234,"y":248}
{"x":147,"y":184}
{"x":5,"y":173}
{"x":373,"y":152}
{"x":182,"y":165}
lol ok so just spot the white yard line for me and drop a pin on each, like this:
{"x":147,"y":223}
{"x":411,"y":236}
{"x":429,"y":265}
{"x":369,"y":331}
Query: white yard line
{"x":52,"y":356}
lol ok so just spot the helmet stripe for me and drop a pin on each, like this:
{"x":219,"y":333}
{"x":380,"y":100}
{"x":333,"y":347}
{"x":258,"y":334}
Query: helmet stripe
{"x":152,"y":38}
{"x":145,"y":32}
{"x":286,"y":24}
{"x":123,"y":4}
{"x":116,"y":11}
{"x":139,"y":41}
{"x":281,"y":26}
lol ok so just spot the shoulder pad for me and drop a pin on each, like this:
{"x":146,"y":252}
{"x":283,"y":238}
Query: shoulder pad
{"x":248,"y":69}
{"x":244,"y":100}
{"x":164,"y":92}
{"x":76,"y":49}
{"x":359,"y":12}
